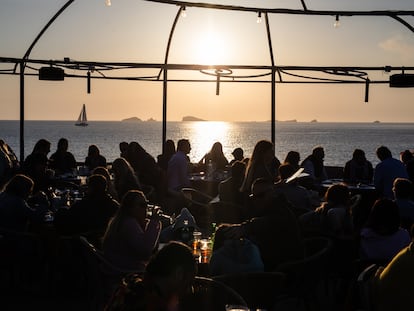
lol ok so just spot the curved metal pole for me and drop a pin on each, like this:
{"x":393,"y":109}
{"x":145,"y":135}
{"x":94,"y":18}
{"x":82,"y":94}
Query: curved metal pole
{"x":22,"y":68}
{"x":165,"y":81}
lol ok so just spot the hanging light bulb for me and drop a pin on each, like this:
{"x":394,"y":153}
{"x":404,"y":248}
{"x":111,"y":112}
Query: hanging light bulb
{"x":337,"y":23}
{"x":108,"y":2}
{"x":183,"y":12}
{"x":259,"y":18}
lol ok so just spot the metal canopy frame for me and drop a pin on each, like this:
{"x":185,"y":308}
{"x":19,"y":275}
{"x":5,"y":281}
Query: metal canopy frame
{"x":211,"y":73}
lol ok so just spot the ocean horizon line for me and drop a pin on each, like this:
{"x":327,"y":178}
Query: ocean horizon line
{"x":252,"y":121}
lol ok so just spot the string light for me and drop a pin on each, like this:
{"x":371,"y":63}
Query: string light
{"x":259,"y":17}
{"x":108,"y":2}
{"x":337,"y":22}
{"x":183,"y":12}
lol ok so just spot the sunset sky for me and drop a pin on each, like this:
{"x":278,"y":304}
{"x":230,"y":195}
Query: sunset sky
{"x":137,"y":31}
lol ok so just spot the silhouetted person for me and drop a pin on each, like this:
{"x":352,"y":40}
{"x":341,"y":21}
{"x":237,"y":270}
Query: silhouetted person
{"x":62,"y":161}
{"x":358,"y":169}
{"x":94,"y":158}
{"x":386,"y":172}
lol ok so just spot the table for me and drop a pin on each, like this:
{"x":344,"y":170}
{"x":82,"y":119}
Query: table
{"x":206,"y":184}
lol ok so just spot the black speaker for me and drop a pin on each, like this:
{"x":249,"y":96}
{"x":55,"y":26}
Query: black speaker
{"x":51,"y":74}
{"x":402,"y":80}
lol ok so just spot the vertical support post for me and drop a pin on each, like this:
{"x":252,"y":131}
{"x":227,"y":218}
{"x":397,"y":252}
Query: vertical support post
{"x":164,"y":108}
{"x":88,"y":82}
{"x":273,"y":112}
{"x":22,"y":65}
{"x":367,"y":81}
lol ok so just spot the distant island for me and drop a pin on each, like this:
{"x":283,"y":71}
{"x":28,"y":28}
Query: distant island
{"x":132,"y":119}
{"x":191,"y":118}
{"x":135,"y":119}
{"x":314,"y":121}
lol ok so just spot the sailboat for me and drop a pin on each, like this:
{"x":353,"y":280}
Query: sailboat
{"x":82,"y":120}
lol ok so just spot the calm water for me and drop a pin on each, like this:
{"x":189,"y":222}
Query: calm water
{"x":338,"y":139}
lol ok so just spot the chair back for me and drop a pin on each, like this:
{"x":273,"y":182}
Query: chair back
{"x":305,"y":275}
{"x":260,"y":290}
{"x":198,"y":205}
{"x":102,"y":276}
{"x":211,"y":295}
{"x":364,"y":284}
{"x":226,"y":212}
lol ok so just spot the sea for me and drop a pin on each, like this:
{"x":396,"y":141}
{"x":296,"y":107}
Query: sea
{"x":338,"y":139}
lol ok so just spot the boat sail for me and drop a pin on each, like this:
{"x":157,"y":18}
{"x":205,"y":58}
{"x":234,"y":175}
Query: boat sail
{"x":82,"y":120}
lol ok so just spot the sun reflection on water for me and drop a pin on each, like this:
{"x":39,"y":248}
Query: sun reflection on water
{"x":205,"y":134}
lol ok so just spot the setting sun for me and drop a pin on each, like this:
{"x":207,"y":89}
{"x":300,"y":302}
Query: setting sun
{"x":210,"y":48}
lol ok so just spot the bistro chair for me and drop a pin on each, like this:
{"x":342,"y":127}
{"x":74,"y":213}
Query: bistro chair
{"x":195,"y":196}
{"x":211,"y":295}
{"x":364,"y":285}
{"x":227,"y":212}
{"x":260,"y":290}
{"x":198,"y":205}
{"x":306,"y":276}
{"x":102,"y":277}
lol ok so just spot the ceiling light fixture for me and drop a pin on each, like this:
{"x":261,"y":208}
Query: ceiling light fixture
{"x":337,"y":23}
{"x":183,"y":12}
{"x":259,"y":17}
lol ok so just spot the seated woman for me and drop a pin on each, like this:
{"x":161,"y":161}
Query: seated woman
{"x":101,"y":170}
{"x":262,"y":164}
{"x":358,"y":169}
{"x":131,"y":237}
{"x":15,"y":213}
{"x":293,"y":159}
{"x":94,"y":158}
{"x":232,"y":255}
{"x":229,"y":189}
{"x":125,"y":178}
{"x":216,"y":156}
{"x":333,"y":217}
{"x":62,"y":161}
{"x":382,"y":238}
{"x":165,"y":156}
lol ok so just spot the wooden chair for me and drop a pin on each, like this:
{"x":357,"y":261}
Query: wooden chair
{"x":260,"y":290}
